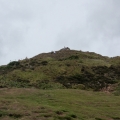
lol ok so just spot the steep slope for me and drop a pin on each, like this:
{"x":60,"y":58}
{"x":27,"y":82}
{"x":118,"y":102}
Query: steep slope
{"x":63,"y":69}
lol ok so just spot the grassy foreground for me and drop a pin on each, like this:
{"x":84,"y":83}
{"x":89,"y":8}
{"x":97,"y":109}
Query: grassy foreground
{"x":60,"y":104}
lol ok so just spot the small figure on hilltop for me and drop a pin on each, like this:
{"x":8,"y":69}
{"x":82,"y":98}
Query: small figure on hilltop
{"x":65,"y":48}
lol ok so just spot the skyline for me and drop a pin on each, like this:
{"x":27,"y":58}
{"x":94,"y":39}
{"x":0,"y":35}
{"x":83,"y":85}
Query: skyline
{"x":28,"y":28}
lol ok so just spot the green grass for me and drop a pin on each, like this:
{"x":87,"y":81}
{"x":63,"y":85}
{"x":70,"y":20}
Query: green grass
{"x":68,"y":68}
{"x":56,"y":73}
{"x":59,"y":104}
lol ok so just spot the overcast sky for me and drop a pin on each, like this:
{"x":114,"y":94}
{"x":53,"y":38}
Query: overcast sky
{"x":31,"y":27}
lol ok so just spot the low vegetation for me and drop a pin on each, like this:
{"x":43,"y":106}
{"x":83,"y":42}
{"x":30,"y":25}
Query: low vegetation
{"x":60,"y":104}
{"x":63,"y":69}
{"x":61,"y":85}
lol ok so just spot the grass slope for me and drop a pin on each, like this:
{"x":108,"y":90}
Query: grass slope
{"x":60,"y":104}
{"x":63,"y":69}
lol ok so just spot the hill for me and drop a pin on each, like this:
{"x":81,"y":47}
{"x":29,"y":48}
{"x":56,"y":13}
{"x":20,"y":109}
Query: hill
{"x":70,"y":78}
{"x":64,"y":68}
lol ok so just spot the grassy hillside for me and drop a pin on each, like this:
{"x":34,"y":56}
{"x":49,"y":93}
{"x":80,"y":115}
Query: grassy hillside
{"x":60,"y":104}
{"x":61,"y":85}
{"x":63,"y":69}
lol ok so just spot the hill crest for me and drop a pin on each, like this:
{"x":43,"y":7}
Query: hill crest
{"x":64,"y":68}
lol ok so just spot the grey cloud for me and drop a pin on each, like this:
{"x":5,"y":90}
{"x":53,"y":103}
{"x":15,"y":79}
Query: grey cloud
{"x":29,"y":27}
{"x":99,"y":31}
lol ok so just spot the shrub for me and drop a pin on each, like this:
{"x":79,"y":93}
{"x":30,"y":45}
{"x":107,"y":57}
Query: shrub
{"x":73,"y":57}
{"x":13,"y":64}
{"x":44,"y":62}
